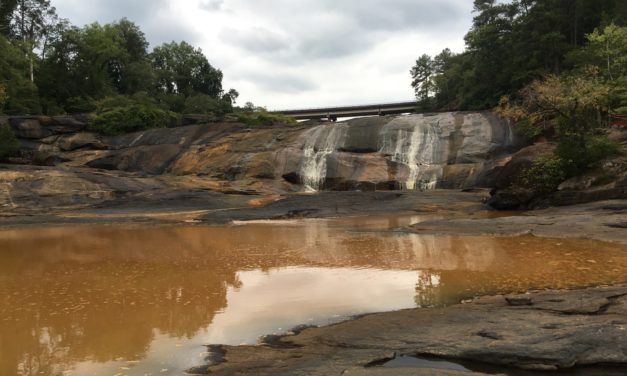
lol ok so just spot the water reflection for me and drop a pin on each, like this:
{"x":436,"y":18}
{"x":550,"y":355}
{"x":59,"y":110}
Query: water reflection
{"x":113,"y":299}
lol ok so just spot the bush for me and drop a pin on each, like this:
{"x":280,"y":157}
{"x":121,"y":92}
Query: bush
{"x":110,"y":103}
{"x":133,"y":118}
{"x":581,"y":152}
{"x":80,"y":105}
{"x":171,"y":102}
{"x":262,"y":118}
{"x":204,"y":104}
{"x":545,"y":174}
{"x":9,"y":145}
{"x":3,"y":96}
{"x":22,"y":100}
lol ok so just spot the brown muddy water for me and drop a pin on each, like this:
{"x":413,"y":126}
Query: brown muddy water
{"x":142,"y":300}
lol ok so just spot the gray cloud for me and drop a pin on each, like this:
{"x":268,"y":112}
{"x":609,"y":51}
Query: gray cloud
{"x":211,"y":5}
{"x":151,"y":16}
{"x":256,"y":40}
{"x":280,"y":53}
{"x":327,"y":29}
{"x":401,"y":14}
{"x":281,"y":82}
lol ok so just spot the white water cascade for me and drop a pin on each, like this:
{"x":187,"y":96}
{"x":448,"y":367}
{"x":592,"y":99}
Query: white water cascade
{"x":416,"y":148}
{"x":320,"y":143}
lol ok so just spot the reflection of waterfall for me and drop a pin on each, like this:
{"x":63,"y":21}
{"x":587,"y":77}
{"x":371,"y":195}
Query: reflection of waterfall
{"x":319,"y":144}
{"x":416,"y":148}
{"x":428,"y":289}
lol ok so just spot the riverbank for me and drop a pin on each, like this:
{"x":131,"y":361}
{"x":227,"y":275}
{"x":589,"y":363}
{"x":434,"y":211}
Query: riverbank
{"x":542,"y":330}
{"x":220,"y":175}
{"x":546,"y":330}
{"x":172,"y":200}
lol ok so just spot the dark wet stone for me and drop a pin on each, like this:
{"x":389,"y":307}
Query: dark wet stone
{"x":548,"y":335}
{"x":518,"y":300}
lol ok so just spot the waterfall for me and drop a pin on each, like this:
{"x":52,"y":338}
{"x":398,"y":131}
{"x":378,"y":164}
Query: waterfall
{"x":416,"y":148}
{"x":319,"y":144}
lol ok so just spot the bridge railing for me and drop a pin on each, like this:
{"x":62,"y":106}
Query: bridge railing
{"x":348,"y":108}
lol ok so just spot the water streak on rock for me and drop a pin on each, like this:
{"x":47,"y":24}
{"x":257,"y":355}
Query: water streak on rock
{"x":415,"y":146}
{"x":320,"y":143}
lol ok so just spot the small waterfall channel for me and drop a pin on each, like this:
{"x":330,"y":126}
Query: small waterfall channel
{"x":320,"y":143}
{"x":415,"y":147}
{"x":410,"y":142}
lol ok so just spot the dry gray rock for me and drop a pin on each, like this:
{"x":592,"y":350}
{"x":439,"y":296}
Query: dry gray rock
{"x":557,"y":330}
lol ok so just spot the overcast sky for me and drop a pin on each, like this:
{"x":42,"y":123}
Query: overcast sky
{"x":285,"y":54}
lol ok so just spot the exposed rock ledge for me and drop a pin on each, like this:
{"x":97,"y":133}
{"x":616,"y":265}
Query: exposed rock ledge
{"x":602,"y":220}
{"x":547,"y":330}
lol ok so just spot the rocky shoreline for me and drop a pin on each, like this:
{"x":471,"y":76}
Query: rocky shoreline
{"x":547,"y":330}
{"x":221,"y":173}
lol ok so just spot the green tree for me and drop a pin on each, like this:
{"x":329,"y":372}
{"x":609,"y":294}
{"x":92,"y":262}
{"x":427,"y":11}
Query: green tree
{"x":510,"y":44}
{"x":95,"y":62}
{"x":204,"y":104}
{"x":422,"y":74}
{"x":607,"y":50}
{"x":182,"y":69}
{"x":7,"y":7}
{"x":575,"y":103}
{"x":21,"y":95}
{"x":3,"y":96}
{"x":8,"y":143}
{"x":32,"y":22}
{"x":231,"y":96}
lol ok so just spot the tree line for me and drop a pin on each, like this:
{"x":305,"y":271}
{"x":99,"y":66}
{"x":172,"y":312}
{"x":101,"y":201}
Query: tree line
{"x":557,"y":68}
{"x":511,"y":44}
{"x":48,"y":66}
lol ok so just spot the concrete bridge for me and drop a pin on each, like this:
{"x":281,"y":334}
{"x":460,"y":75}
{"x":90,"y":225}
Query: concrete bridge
{"x":333,"y":113}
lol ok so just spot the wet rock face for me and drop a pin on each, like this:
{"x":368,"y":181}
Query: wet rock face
{"x":447,"y":150}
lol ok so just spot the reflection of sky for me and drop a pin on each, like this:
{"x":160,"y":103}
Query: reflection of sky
{"x":107,"y":300}
{"x":273,"y":301}
{"x":277,"y":300}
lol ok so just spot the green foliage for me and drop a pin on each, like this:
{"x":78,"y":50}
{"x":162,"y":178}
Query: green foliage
{"x":180,"y":68}
{"x":511,"y":43}
{"x":545,"y":174}
{"x":49,"y":66}
{"x":77,"y":105}
{"x":6,"y":15}
{"x":575,"y":103}
{"x":96,"y":61}
{"x":260,"y":118}
{"x":133,"y":118}
{"x":580,"y":153}
{"x":8,"y":143}
{"x":204,"y":104}
{"x":3,"y":96}
{"x":21,"y":96}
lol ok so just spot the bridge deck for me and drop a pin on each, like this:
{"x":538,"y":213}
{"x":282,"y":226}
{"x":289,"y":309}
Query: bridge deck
{"x":349,"y":111}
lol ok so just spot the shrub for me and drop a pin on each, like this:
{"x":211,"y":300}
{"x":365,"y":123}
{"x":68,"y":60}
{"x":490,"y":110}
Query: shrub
{"x":9,"y":145}
{"x":204,"y":104}
{"x":545,"y":174}
{"x":109,"y":103}
{"x":133,"y":118}
{"x":22,"y":99}
{"x":260,"y":118}
{"x":3,"y":96}
{"x":78,"y":105}
{"x":581,"y":152}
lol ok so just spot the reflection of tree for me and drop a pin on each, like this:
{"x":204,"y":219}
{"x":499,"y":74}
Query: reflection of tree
{"x":427,"y":289}
{"x":100,"y":294}
{"x":74,"y":294}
